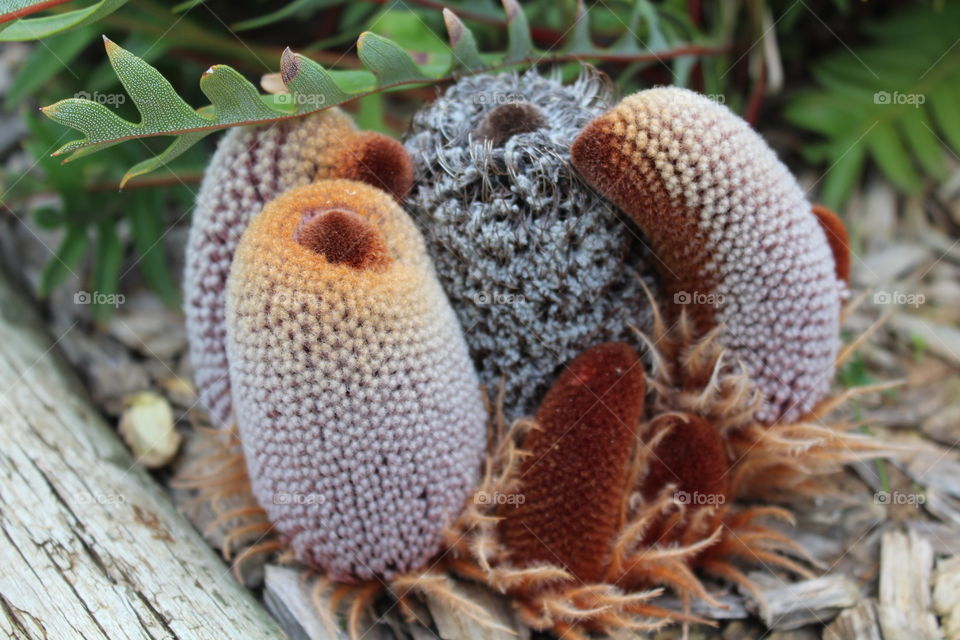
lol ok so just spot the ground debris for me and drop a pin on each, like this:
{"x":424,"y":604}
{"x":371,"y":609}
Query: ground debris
{"x":905,"y":608}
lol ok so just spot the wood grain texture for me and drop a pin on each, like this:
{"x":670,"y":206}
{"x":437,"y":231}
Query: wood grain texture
{"x":91,"y":547}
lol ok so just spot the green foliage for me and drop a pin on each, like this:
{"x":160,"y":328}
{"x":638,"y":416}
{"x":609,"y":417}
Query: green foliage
{"x":310,"y":87}
{"x":35,"y":28}
{"x":106,"y":234}
{"x":894,"y":102}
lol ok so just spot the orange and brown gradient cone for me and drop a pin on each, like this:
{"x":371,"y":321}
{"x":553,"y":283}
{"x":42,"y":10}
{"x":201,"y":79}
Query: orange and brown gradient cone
{"x":358,"y":408}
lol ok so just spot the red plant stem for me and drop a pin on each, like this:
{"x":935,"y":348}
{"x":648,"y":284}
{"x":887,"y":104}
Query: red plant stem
{"x":25,"y":11}
{"x":693,"y":8}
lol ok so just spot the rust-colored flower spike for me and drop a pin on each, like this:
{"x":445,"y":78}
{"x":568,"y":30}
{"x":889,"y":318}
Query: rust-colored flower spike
{"x":573,"y":482}
{"x":359,"y":410}
{"x":251,"y":166}
{"x":690,"y":455}
{"x":837,"y":238}
{"x":737,"y":243}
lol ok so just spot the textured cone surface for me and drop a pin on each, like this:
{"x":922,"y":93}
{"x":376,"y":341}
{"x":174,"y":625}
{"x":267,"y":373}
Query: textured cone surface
{"x":692,"y":457}
{"x":735,"y":239}
{"x":573,"y":482}
{"x":359,"y":411}
{"x":538,"y":267}
{"x":253,"y":165}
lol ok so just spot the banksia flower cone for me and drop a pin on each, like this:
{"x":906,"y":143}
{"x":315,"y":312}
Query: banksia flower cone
{"x":251,"y":166}
{"x":359,"y":411}
{"x":736,"y":242}
{"x":538,"y":267}
{"x":577,"y":472}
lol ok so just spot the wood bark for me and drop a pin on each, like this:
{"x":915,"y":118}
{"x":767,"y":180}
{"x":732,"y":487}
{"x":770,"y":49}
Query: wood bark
{"x":90,"y":545}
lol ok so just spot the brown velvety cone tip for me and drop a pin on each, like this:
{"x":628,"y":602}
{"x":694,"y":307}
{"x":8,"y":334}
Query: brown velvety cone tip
{"x":343,"y":237}
{"x":838,"y":239}
{"x":377,"y":160}
{"x":508,"y":120}
{"x":692,"y":457}
{"x":573,"y":481}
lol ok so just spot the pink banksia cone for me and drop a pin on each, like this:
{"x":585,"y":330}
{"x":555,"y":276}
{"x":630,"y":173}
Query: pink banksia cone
{"x":737,"y":244}
{"x":359,"y":410}
{"x":252,"y":165}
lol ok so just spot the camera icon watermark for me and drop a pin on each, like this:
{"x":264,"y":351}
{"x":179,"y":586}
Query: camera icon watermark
{"x":496,"y":98}
{"x":496,"y":498}
{"x":897,"y":98}
{"x":484,"y":298}
{"x":108,"y":99}
{"x":891,"y":498}
{"x":698,"y":297}
{"x":899,"y":298}
{"x":698,"y":499}
{"x":301,"y":99}
{"x":96,"y":297}
{"x":294,"y":498}
{"x":103,"y":499}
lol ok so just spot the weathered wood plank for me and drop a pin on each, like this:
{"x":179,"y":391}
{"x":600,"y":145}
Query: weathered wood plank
{"x":906,"y":565}
{"x":90,"y":546}
{"x":856,"y":623}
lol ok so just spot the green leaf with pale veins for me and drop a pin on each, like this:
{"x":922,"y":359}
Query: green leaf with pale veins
{"x":387,"y":60}
{"x":519,"y":43}
{"x":235,"y":101}
{"x":35,"y":28}
{"x":464,"y":46}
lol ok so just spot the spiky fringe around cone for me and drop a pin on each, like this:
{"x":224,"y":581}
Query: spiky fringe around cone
{"x":770,"y":466}
{"x":665,"y":542}
{"x":218,"y":475}
{"x":662,"y":543}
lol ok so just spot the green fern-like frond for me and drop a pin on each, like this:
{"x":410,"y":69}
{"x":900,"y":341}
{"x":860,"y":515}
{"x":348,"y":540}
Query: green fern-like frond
{"x":235,"y":101}
{"x":15,"y":27}
{"x":895,"y":104}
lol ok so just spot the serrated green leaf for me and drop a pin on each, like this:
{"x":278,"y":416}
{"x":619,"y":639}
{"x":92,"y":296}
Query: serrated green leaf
{"x":179,"y":145}
{"x":519,"y":43}
{"x":311,"y":88}
{"x":308,"y":82}
{"x":233,"y":96}
{"x":579,"y":39}
{"x":462,"y":42}
{"x":156,"y":100}
{"x":35,"y":28}
{"x":387,"y":60}
{"x":66,"y":258}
